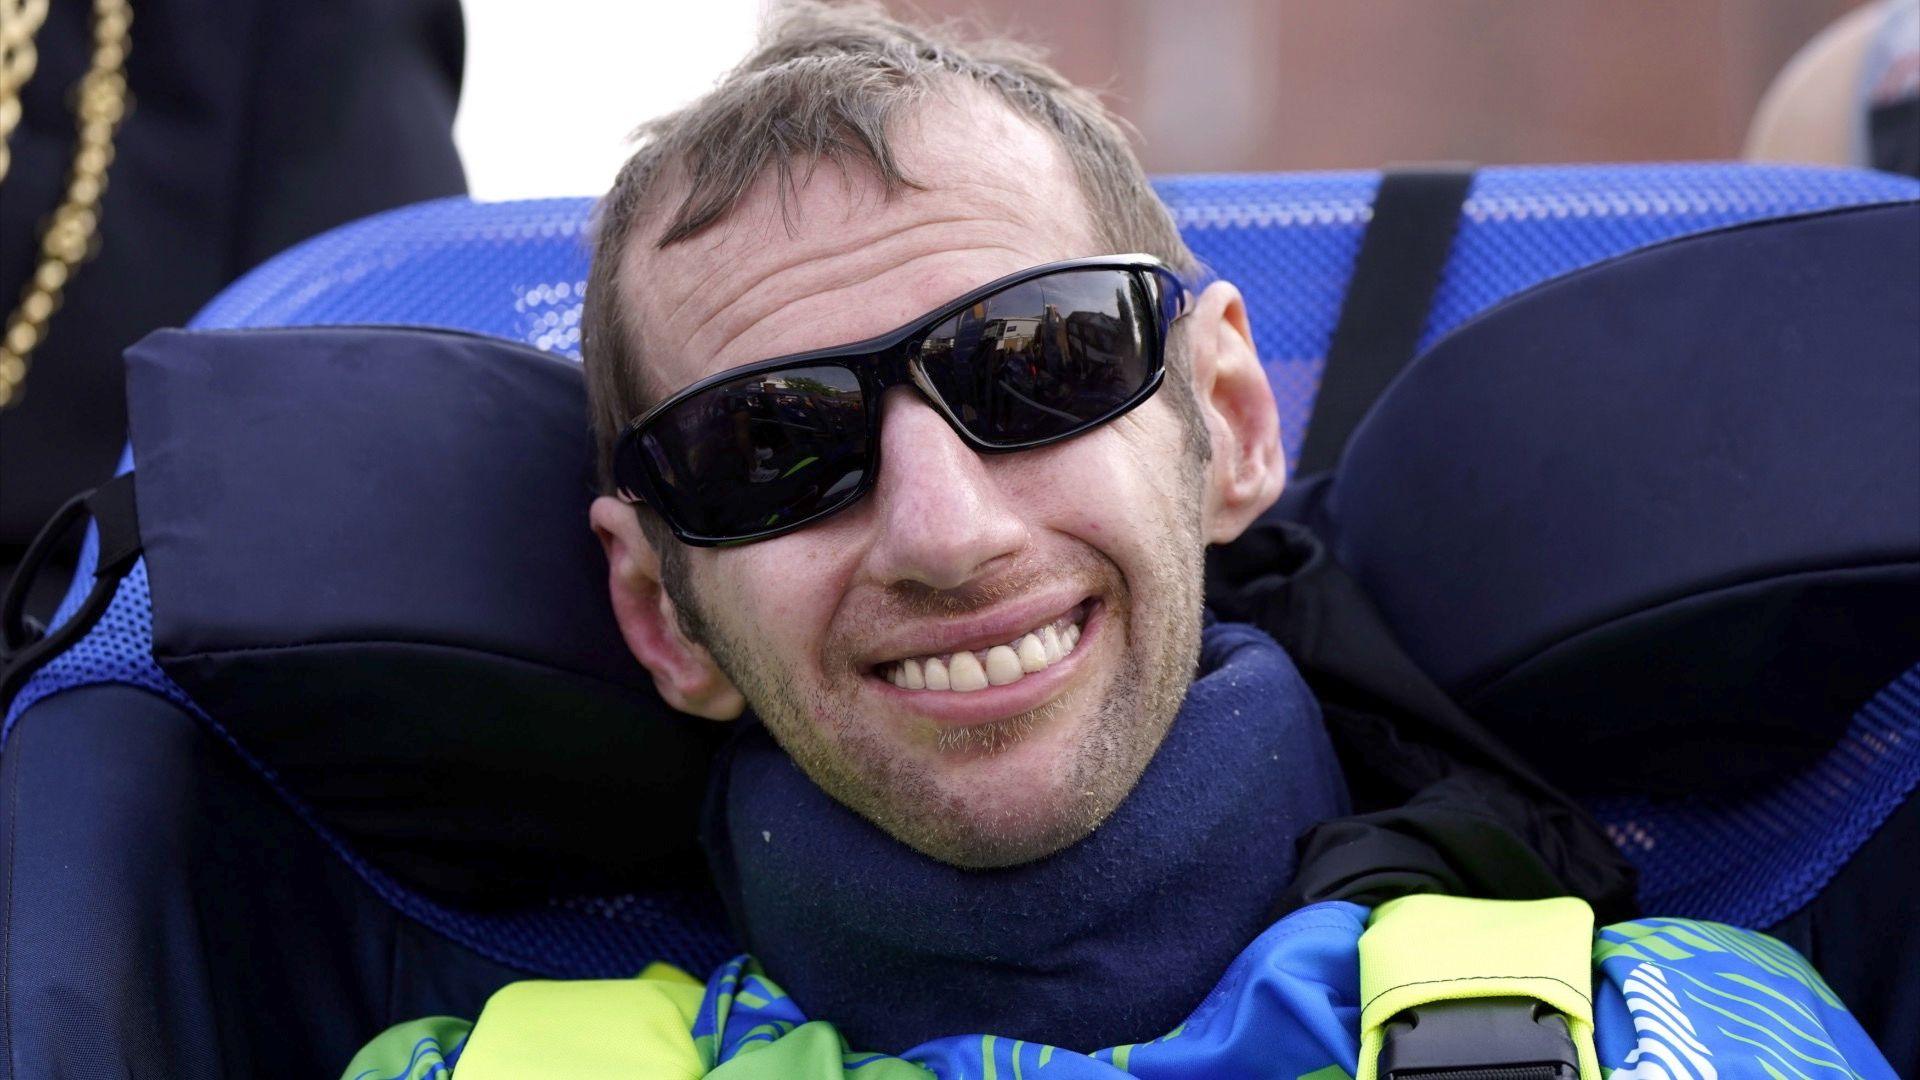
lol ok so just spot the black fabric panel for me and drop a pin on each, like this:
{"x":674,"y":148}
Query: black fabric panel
{"x":1715,"y":411}
{"x":369,"y":557}
{"x":166,"y":915}
{"x":1416,"y":212}
{"x":1462,"y":835}
{"x":1805,"y":650}
{"x":1862,"y":932}
{"x":470,"y":775}
{"x":253,"y":124}
{"x":1441,"y":805}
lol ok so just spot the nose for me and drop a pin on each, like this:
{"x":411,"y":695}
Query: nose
{"x":943,"y":520}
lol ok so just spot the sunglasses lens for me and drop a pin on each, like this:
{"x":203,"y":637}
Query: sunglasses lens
{"x":1044,"y":358}
{"x":761,"y":451}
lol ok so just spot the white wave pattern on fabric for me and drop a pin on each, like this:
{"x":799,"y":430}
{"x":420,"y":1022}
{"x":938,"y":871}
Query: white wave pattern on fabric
{"x":1667,"y":1047}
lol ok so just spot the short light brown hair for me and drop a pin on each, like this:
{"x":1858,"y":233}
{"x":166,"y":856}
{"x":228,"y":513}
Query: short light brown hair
{"x":826,"y":83}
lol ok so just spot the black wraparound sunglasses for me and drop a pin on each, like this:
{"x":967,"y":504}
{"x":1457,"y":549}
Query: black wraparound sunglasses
{"x":1021,"y":362}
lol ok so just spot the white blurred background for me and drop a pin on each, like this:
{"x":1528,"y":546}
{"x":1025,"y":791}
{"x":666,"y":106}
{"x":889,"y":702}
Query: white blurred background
{"x":553,"y":89}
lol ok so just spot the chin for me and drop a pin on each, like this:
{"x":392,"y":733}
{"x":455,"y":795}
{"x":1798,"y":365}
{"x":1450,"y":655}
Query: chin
{"x":995,"y":839}
{"x":1013,"y":808}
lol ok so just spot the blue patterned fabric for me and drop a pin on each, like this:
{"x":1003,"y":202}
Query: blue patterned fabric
{"x":516,"y":270}
{"x":1673,"y":999}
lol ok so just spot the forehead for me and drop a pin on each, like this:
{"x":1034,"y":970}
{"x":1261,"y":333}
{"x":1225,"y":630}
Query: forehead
{"x":836,"y":260}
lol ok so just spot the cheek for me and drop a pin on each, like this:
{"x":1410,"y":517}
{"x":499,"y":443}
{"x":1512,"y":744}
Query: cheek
{"x":1116,"y":489}
{"x":1156,"y":447}
{"x":778,"y":594}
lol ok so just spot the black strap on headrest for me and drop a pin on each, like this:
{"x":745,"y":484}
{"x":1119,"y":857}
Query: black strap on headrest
{"x":27,"y":645}
{"x":1415,"y":214}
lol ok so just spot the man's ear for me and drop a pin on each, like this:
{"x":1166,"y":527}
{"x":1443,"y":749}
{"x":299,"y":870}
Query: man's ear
{"x":683,"y":670}
{"x":1249,"y":468}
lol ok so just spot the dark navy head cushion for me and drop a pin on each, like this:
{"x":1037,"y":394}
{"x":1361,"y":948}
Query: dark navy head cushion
{"x":1663,"y":510}
{"x":369,"y":560}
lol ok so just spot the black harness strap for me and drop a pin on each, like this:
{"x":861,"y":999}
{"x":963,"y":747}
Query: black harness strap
{"x":1415,"y":214}
{"x":28,"y":646}
{"x":118,"y":520}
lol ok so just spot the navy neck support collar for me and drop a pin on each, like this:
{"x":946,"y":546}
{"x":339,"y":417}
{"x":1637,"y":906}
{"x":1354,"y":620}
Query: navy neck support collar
{"x":1112,"y":940}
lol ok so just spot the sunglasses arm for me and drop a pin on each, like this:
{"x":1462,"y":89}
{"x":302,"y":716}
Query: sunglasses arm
{"x":1192,"y":284}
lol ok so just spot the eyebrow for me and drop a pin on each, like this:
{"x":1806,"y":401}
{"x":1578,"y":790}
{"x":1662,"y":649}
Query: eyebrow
{"x":848,"y":282}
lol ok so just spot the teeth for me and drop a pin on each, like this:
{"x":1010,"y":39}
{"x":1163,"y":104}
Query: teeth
{"x":965,"y":672}
{"x":1050,"y":641}
{"x":1003,"y":666}
{"x":1033,"y":655}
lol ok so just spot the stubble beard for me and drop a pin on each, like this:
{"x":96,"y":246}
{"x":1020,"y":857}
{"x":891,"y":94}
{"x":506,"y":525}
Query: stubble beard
{"x":859,"y":769}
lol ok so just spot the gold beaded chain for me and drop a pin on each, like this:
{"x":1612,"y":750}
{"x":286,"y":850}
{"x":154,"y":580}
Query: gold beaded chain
{"x":100,"y":103}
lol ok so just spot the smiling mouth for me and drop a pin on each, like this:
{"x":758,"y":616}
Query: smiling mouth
{"x":970,"y":670}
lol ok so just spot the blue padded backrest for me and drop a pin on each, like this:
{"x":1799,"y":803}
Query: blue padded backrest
{"x":516,"y":270}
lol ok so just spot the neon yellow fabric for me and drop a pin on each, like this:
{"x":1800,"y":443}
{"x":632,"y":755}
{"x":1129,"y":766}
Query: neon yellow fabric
{"x":1419,"y":949}
{"x":414,"y":1050}
{"x":598,"y":1029}
{"x":667,"y":973}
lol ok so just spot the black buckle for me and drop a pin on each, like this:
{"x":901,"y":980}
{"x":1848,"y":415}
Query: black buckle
{"x":1503,"y":1038}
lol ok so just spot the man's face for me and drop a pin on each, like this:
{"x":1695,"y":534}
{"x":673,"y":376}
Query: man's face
{"x":952,"y":552}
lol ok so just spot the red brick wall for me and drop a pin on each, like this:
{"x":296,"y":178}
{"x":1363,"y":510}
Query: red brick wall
{"x":1314,"y":84}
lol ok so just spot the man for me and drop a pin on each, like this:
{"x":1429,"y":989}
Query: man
{"x":907,"y":462}
{"x":952,"y":550}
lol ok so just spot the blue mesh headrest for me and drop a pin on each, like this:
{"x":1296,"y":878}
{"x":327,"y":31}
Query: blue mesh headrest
{"x":1288,"y":240}
{"x":369,"y":558}
{"x":1665,"y":509}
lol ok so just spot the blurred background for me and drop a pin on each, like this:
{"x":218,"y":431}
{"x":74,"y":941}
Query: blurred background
{"x":1211,"y":84}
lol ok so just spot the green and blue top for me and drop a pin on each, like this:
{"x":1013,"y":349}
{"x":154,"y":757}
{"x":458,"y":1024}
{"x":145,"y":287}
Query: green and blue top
{"x":1677,"y":999}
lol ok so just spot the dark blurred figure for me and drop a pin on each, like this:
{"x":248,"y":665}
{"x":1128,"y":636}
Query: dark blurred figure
{"x":251,"y":124}
{"x":1850,"y":97}
{"x":1892,"y":90}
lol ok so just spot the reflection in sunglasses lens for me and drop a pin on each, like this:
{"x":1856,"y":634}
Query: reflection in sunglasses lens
{"x":1042,"y":358}
{"x":763,"y":450}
